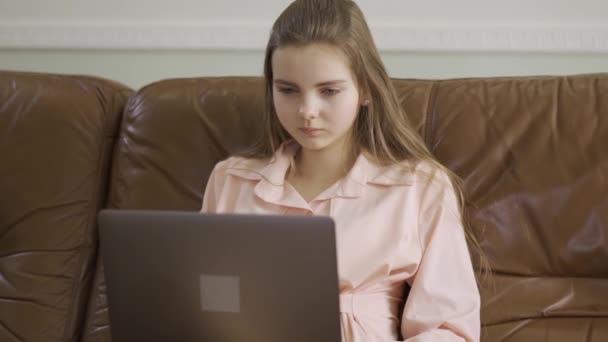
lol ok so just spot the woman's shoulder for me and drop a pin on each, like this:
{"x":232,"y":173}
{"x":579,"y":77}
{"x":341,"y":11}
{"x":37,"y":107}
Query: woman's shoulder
{"x":409,"y":172}
{"x":238,"y":162}
{"x":249,"y":168}
{"x":435,"y":183}
{"x":431,"y":171}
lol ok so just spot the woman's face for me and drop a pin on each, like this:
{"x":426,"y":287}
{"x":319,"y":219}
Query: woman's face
{"x":315,"y":96}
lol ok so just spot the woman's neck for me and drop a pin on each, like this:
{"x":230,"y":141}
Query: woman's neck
{"x":323,"y":166}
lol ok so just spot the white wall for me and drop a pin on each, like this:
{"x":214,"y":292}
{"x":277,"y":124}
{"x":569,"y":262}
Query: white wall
{"x":139,"y":41}
{"x":568,"y":11}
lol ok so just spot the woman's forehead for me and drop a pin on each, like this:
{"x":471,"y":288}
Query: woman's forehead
{"x":310,"y":64}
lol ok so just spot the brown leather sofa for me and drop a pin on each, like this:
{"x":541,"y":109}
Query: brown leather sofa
{"x":532,"y":152}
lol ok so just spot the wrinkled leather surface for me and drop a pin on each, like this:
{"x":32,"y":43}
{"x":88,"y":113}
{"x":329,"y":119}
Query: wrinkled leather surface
{"x":570,"y":329}
{"x":533,"y":156}
{"x":56,"y":135}
{"x":531,"y":152}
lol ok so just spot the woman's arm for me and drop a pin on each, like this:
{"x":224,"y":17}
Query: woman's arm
{"x":443,"y":303}
{"x":212,"y":190}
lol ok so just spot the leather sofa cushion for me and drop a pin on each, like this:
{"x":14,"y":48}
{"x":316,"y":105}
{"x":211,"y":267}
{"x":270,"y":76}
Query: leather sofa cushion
{"x":56,"y":135}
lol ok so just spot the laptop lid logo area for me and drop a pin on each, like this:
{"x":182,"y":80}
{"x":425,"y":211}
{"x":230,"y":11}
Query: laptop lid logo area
{"x":220,"y":293}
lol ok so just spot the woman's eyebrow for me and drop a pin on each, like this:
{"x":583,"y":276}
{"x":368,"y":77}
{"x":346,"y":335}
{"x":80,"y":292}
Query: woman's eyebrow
{"x":326,"y":83}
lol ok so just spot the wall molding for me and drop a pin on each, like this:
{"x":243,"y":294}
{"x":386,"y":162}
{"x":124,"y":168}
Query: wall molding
{"x":583,"y":38}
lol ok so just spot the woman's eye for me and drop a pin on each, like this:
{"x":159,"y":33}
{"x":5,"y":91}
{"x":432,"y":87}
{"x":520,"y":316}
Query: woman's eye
{"x":286,"y":90}
{"x":331,"y":92}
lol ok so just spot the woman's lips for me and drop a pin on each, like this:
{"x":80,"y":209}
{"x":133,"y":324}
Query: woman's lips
{"x":311,"y":131}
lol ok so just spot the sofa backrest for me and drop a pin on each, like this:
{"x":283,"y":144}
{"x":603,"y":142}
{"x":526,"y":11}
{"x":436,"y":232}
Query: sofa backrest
{"x":56,"y":136}
{"x":530,"y":152}
{"x":533,"y":156}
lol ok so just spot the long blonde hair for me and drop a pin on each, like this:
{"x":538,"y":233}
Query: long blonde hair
{"x":381,"y":128}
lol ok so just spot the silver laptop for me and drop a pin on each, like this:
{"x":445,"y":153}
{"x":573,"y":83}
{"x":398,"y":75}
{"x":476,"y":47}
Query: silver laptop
{"x":185,"y":276}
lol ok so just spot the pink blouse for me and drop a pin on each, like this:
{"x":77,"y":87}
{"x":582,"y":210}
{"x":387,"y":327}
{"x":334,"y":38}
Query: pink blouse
{"x":392,"y":227}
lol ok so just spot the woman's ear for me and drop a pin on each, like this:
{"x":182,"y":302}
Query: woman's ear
{"x":364,"y":96}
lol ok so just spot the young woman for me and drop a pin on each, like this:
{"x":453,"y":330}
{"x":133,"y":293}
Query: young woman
{"x":337,"y":143}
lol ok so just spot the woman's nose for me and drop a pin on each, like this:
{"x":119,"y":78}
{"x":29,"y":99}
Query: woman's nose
{"x":308,"y":110}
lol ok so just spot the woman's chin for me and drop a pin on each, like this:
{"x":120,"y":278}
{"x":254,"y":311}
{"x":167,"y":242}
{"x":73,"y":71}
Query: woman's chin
{"x":312,"y":144}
